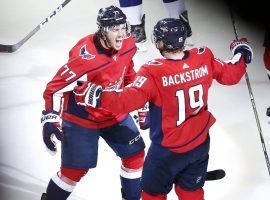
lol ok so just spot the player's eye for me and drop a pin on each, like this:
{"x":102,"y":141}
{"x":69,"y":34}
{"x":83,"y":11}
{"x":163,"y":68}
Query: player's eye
{"x":114,"y":29}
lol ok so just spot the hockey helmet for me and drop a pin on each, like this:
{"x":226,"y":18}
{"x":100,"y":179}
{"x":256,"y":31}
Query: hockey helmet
{"x":110,"y":16}
{"x":169,"y":34}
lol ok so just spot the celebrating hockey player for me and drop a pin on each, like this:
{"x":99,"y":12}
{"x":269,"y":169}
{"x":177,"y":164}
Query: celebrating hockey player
{"x":177,"y":91}
{"x":105,"y":58}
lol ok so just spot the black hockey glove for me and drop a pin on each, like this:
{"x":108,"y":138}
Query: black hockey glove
{"x":268,"y":114}
{"x":242,"y":46}
{"x":50,"y":122}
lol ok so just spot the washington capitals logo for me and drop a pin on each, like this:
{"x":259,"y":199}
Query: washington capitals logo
{"x":118,"y":83}
{"x":201,"y":50}
{"x":154,"y":62}
{"x":85,"y":54}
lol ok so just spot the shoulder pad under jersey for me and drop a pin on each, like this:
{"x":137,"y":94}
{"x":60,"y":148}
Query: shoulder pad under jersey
{"x":129,"y":42}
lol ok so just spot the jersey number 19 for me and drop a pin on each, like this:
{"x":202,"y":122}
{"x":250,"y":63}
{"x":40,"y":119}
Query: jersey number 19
{"x":194,"y":103}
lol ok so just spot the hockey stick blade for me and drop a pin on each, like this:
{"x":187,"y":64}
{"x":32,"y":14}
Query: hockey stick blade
{"x":15,"y":47}
{"x":215,"y":175}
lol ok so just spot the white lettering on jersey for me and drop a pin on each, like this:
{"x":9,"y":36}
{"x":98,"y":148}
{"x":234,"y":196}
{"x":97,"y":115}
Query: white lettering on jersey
{"x":184,"y":77}
{"x":194,"y":102}
{"x":70,"y":73}
{"x":139,"y":81}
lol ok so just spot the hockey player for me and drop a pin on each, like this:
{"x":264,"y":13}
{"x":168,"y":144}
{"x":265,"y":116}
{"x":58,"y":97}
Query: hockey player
{"x":266,"y":56}
{"x":104,"y":58}
{"x":177,"y":91}
{"x":266,"y":59}
{"x":133,"y":11}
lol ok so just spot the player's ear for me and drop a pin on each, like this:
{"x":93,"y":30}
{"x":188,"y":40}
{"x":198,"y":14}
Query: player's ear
{"x":160,"y":45}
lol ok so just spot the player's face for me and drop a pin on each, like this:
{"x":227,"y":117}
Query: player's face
{"x":116,"y":35}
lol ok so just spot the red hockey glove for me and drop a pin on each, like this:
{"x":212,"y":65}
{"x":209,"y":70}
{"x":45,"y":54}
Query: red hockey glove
{"x":50,"y":122}
{"x":143,"y":115}
{"x":242,"y":46}
{"x":88,"y":94}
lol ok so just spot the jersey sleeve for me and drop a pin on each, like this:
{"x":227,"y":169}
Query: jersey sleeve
{"x":131,"y":98}
{"x":228,"y":72}
{"x":64,"y":81}
{"x":130,"y":75}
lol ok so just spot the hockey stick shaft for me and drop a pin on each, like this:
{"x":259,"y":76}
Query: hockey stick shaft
{"x":253,"y":103}
{"x":15,"y":47}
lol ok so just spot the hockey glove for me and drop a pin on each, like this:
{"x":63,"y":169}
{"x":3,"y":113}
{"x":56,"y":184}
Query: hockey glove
{"x":242,"y":46}
{"x":50,"y":122}
{"x":88,"y":94}
{"x":268,"y":114}
{"x":143,"y":115}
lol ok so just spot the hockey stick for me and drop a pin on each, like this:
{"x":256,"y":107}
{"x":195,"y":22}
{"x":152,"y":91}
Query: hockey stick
{"x":215,"y":175}
{"x":253,"y":102}
{"x":15,"y":47}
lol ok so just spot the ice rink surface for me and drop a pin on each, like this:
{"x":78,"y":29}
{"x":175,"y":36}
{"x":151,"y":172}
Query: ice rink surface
{"x":26,"y":167}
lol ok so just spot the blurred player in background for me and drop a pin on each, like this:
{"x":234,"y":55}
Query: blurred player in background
{"x":266,"y":59}
{"x":133,"y":10}
{"x":176,"y":88}
{"x":104,"y":58}
{"x":266,"y":56}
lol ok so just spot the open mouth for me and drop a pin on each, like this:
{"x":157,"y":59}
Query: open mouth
{"x":119,"y":41}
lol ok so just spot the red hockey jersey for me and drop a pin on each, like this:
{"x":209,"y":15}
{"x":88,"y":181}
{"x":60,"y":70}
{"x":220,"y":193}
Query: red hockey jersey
{"x":177,"y":91}
{"x":88,"y":61}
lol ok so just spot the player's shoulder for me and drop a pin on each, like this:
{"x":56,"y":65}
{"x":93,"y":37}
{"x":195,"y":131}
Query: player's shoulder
{"x":152,"y":66}
{"x":84,"y":52}
{"x":129,"y":44}
{"x":130,"y":40}
{"x":85,"y":39}
{"x":83,"y":47}
{"x":154,"y":63}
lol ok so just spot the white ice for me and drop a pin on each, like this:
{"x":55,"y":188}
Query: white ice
{"x":26,"y":167}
